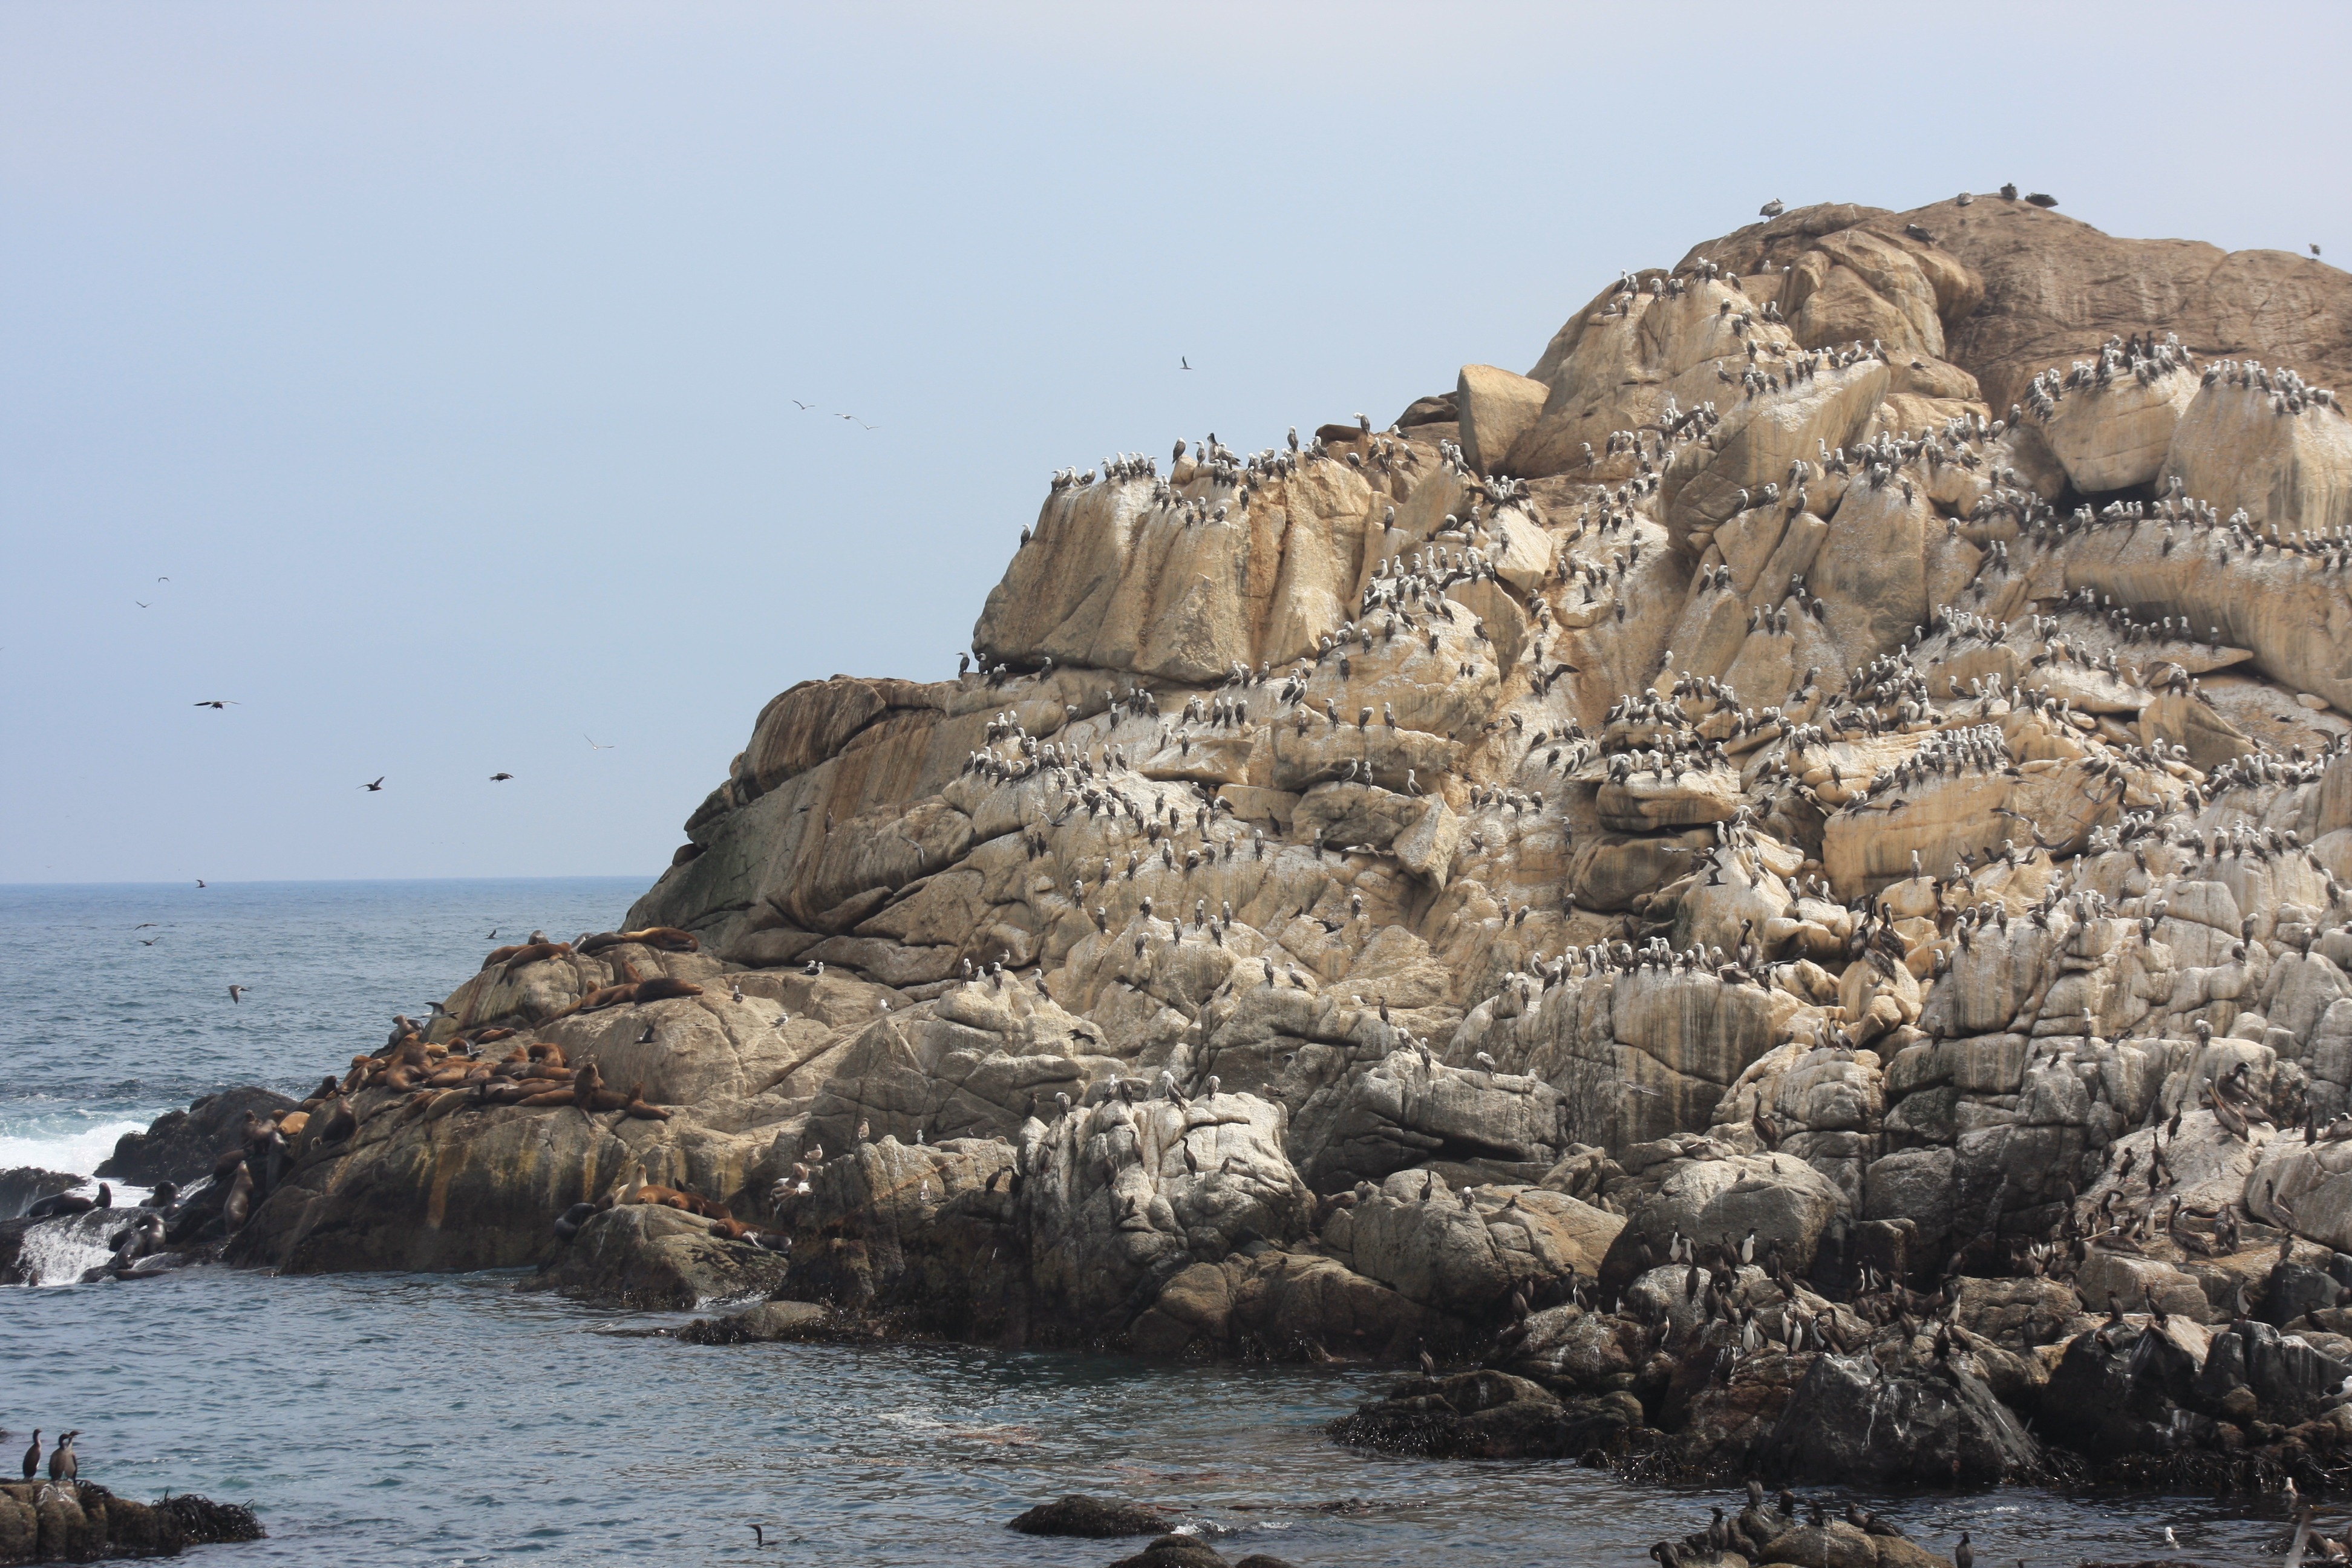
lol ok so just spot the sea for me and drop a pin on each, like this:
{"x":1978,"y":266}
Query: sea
{"x":446,"y":1419}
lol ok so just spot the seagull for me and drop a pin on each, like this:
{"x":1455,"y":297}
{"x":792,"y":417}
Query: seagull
{"x":377,"y":787}
{"x":217,"y":702}
{"x":500,"y":778}
{"x":236,"y":993}
{"x":1184,"y":364}
{"x":149,"y":941}
{"x":200,"y":881}
{"x":143,"y":604}
{"x":144,"y":925}
{"x":648,"y":1038}
{"x":2314,"y":247}
{"x":592,"y":741}
{"x":1772,"y":208}
{"x":803,"y":407}
{"x":493,"y":936}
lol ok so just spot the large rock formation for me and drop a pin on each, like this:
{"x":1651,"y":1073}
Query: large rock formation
{"x":1833,"y":781}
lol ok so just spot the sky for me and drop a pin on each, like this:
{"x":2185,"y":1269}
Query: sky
{"x":426,"y":380}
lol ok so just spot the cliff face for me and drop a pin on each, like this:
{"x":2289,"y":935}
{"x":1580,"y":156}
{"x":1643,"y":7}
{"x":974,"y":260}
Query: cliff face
{"x":1853,"y":735}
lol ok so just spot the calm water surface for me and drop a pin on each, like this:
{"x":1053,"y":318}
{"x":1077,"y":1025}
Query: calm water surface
{"x":416,"y":1420}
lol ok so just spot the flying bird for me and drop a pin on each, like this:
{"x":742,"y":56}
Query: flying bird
{"x":200,"y":881}
{"x":236,"y":993}
{"x":592,"y":741}
{"x":377,"y":786}
{"x":144,"y":925}
{"x":500,"y":778}
{"x":493,"y":936}
{"x":143,"y":604}
{"x":803,"y":407}
{"x":1184,"y":364}
{"x":149,"y":941}
{"x":216,"y":701}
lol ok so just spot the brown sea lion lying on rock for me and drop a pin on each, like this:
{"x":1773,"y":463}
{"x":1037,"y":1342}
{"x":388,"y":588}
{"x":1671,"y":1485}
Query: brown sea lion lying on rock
{"x":632,"y":991}
{"x":533,"y":952}
{"x":662,"y":939}
{"x":637,"y":1190}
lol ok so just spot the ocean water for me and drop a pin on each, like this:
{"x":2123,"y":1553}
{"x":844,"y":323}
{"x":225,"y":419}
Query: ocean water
{"x":422,"y":1419}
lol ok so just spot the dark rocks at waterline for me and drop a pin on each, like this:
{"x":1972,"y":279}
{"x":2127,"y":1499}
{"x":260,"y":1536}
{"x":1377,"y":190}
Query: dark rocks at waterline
{"x":1488,"y":1416}
{"x":1091,"y":1516}
{"x":82,"y":1521}
{"x":647,"y":1256}
{"x":182,"y":1146}
{"x":767,"y":1323}
{"x":25,"y":1185}
{"x":1851,"y":1421}
{"x":1192,"y":1551}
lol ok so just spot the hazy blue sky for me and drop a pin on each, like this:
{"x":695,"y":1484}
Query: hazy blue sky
{"x":442,"y":355}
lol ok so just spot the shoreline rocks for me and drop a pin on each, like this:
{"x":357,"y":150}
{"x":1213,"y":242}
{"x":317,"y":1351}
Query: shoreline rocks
{"x":81,"y":1522}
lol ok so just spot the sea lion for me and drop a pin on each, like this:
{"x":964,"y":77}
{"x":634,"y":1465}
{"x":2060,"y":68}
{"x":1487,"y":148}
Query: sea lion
{"x":536,"y":953}
{"x":239,"y":1206}
{"x":662,"y":988}
{"x":162,"y":1197}
{"x":637,"y":1106}
{"x":662,"y":939}
{"x":492,"y":1037}
{"x":339,"y":1123}
{"x":61,"y":1204}
{"x":589,"y":1093}
{"x":567,"y":1223}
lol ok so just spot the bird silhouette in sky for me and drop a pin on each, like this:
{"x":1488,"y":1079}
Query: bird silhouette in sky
{"x":500,"y":778}
{"x":218,"y":702}
{"x":1183,"y":363}
{"x":377,"y":786}
{"x":592,"y":740}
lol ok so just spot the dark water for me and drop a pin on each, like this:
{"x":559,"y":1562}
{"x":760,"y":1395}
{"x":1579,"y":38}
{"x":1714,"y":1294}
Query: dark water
{"x":405,"y":1419}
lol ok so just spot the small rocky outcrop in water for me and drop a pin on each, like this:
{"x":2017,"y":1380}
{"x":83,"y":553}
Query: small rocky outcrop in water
{"x":82,"y":1521}
{"x":1788,"y":865}
{"x":1091,"y":1516}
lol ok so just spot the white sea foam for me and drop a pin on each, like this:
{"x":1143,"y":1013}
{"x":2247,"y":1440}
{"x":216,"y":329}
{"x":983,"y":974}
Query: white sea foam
{"x":78,"y":1146}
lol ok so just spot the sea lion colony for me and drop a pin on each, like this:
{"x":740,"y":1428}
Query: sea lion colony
{"x":1789,"y":865}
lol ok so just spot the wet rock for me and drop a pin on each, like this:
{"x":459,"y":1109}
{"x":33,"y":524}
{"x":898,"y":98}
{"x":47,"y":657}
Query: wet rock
{"x":1486,"y":1416}
{"x":1849,"y":1423}
{"x":2286,"y":1377}
{"x":2121,"y":1391}
{"x":645,"y":1256}
{"x":1174,"y":1551}
{"x":1092,"y":1516}
{"x":181,"y":1145}
{"x":83,"y":1522}
{"x":763,"y":1324}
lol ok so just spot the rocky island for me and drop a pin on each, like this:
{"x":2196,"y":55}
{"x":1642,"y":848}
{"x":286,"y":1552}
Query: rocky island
{"x":1767,"y":898}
